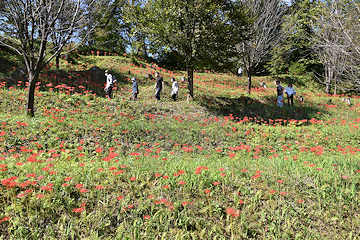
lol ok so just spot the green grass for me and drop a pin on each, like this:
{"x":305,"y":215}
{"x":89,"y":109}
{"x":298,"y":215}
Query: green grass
{"x":144,"y":166}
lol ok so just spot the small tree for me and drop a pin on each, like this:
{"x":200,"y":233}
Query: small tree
{"x":27,"y":27}
{"x":263,"y":33}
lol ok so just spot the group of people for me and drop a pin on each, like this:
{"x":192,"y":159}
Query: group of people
{"x":159,"y":86}
{"x":290,"y":92}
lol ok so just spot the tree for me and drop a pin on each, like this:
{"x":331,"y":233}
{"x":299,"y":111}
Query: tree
{"x":109,"y":28}
{"x":27,"y":27}
{"x":263,"y":33}
{"x":337,"y":41}
{"x":295,"y":47}
{"x":195,"y":29}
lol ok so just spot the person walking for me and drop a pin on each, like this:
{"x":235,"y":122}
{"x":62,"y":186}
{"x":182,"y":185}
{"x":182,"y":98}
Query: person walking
{"x":135,"y":88}
{"x":159,"y":85}
{"x":175,"y":89}
{"x":290,"y":92}
{"x":110,"y":81}
{"x":280,"y":94}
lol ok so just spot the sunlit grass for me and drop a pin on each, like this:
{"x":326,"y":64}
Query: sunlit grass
{"x":226,"y":165}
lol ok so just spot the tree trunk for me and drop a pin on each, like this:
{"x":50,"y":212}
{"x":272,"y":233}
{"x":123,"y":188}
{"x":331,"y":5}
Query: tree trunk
{"x":249,"y":80}
{"x":31,"y":93}
{"x":328,"y":76}
{"x":57,"y":60}
{"x":190,"y":74}
{"x":335,"y":86}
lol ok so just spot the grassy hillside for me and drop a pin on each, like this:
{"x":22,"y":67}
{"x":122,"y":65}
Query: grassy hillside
{"x":225,"y":165}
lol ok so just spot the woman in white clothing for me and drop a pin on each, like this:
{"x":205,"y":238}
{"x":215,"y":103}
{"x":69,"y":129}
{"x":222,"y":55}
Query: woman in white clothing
{"x":175,"y":89}
{"x":290,"y":92}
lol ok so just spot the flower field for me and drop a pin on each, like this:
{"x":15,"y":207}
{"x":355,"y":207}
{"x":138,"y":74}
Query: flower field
{"x":226,"y":165}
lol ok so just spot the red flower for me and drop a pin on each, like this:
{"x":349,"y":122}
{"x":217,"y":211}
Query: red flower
{"x":182,"y":182}
{"x":78,"y":210}
{"x":207,"y":191}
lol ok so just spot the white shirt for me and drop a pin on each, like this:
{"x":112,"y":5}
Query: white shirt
{"x":109,"y":80}
{"x":290,"y":91}
{"x":240,"y":70}
{"x":175,"y":88}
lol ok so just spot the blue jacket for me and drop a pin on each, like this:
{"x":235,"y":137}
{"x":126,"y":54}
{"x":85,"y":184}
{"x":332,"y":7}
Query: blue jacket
{"x":135,"y":87}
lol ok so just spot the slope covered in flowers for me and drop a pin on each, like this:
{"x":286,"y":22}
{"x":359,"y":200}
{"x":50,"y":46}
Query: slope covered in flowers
{"x":226,"y":165}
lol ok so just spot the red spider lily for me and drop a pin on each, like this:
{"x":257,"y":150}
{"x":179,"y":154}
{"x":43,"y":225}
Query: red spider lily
{"x":280,"y":181}
{"x":184,"y":203}
{"x":99,"y":187}
{"x":83,"y":190}
{"x":272,"y":191}
{"x":284,"y":193}
{"x":216,"y":183}
{"x":132,"y":178}
{"x":182,"y":182}
{"x":199,"y":169}
{"x":166,"y":186}
{"x":300,"y":201}
{"x":78,"y":210}
{"x":119,"y":197}
{"x":146,"y":216}
{"x":207,"y":191}
{"x":118,"y":172}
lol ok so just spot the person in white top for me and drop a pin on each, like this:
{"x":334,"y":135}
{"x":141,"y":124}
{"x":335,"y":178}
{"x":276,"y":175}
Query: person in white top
{"x":109,"y":83}
{"x":240,"y":71}
{"x":290,"y":92}
{"x":175,"y":89}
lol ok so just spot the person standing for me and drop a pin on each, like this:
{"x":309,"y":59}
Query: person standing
{"x":240,"y":71}
{"x":280,"y":94}
{"x":175,"y":89}
{"x":290,"y":92}
{"x":135,"y":89}
{"x":110,"y":81}
{"x":159,"y":85}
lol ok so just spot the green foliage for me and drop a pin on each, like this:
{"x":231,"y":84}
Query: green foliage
{"x":296,"y":44}
{"x":143,"y":166}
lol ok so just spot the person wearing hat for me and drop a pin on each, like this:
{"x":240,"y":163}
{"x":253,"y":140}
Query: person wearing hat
{"x":175,"y":89}
{"x":135,"y":89}
{"x":109,"y":83}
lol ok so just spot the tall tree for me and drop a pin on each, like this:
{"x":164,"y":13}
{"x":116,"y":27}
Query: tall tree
{"x":295,"y":46}
{"x":263,"y":33}
{"x":196,"y":29}
{"x":337,"y":29}
{"x":27,"y":26}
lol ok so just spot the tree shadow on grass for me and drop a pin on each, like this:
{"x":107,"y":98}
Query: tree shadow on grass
{"x":259,"y":111}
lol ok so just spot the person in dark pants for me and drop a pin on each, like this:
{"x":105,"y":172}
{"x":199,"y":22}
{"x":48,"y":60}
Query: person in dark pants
{"x":135,"y":89}
{"x":159,"y":85}
{"x":109,"y":84}
{"x":280,"y":94}
{"x":175,"y":89}
{"x":290,"y":92}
